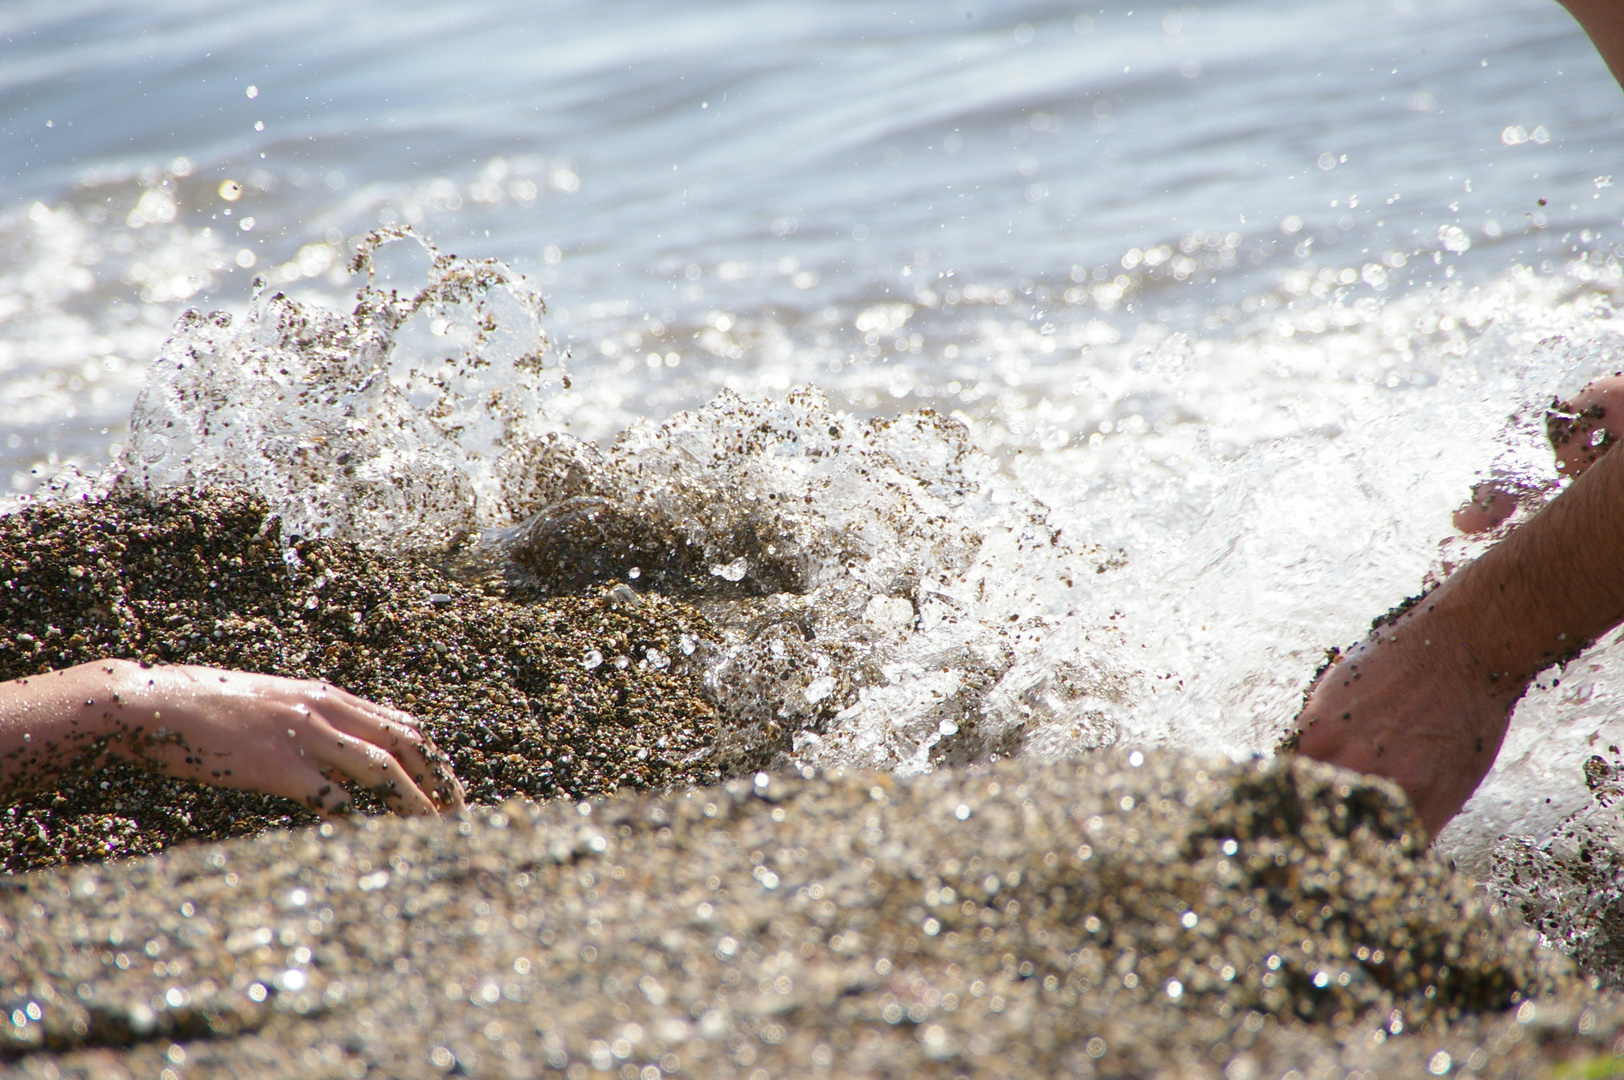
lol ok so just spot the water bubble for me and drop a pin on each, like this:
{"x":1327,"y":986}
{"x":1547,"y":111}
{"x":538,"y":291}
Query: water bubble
{"x":252,"y":92}
{"x":733,"y":571}
{"x":1453,"y":238}
{"x":1175,"y":989}
{"x":592,"y":659}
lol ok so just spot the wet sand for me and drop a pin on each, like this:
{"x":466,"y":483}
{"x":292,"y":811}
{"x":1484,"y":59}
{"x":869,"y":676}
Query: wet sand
{"x":503,"y":688}
{"x":1117,"y":915}
{"x":1084,"y":918}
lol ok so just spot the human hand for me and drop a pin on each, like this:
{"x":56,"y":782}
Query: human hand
{"x":1587,"y":425}
{"x":1581,"y":430}
{"x":300,"y":739}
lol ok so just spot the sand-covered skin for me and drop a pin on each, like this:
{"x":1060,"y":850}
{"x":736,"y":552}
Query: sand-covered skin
{"x":1084,"y":918}
{"x":505,"y":689}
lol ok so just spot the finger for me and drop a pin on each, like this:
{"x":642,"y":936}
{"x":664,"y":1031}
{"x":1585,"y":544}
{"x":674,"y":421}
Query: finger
{"x":372,"y":767}
{"x":397,"y":733}
{"x":1488,"y":507}
{"x":304,"y":784}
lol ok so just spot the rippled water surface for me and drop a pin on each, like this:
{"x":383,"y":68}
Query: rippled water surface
{"x":1247,"y":294}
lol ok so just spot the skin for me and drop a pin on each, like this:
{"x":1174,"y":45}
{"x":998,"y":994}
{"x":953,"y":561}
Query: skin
{"x":1581,"y":430}
{"x":302,"y":740}
{"x":1425,"y":700}
{"x":1603,"y":20}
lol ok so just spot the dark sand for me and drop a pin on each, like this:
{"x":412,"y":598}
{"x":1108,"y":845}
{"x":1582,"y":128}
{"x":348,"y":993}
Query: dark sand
{"x":1095,"y":917}
{"x":501,"y":687}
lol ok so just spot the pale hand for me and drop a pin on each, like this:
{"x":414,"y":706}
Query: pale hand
{"x":299,"y":739}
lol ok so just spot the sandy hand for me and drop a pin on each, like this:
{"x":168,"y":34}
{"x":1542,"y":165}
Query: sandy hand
{"x":1581,"y":430}
{"x":1585,"y":427}
{"x":299,"y":739}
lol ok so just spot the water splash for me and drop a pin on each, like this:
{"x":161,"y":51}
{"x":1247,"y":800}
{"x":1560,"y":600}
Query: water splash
{"x":891,"y":594}
{"x":346,"y":434}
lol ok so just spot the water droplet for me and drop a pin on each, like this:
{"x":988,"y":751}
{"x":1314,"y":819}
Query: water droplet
{"x":733,"y":571}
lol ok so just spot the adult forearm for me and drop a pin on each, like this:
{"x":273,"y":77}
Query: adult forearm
{"x":1425,"y":699}
{"x":1554,"y":585}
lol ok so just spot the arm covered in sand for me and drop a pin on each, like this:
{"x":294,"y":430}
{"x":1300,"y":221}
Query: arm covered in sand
{"x":1425,"y":700}
{"x":229,"y":728}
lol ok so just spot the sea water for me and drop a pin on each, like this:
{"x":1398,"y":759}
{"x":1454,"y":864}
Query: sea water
{"x":1087,"y":370}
